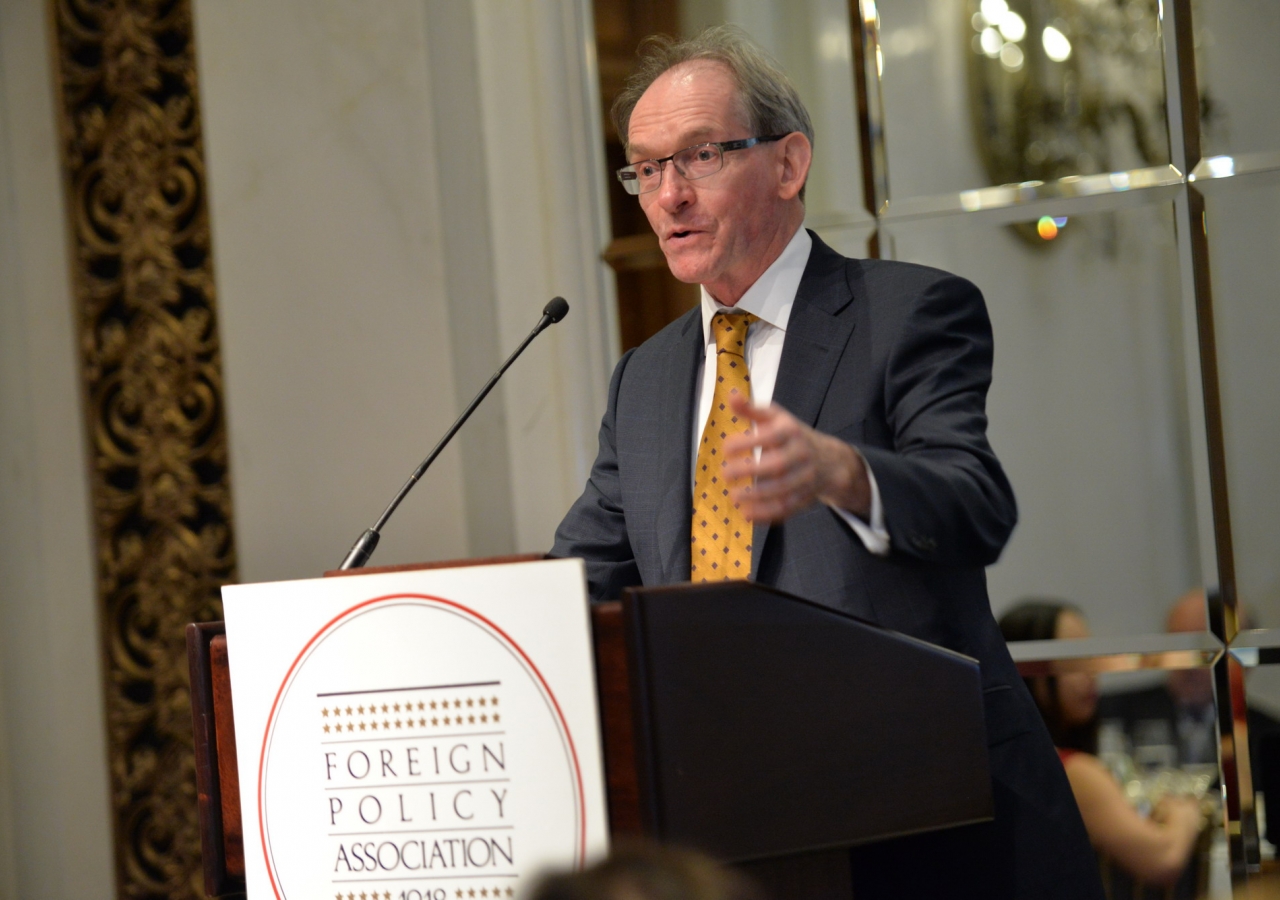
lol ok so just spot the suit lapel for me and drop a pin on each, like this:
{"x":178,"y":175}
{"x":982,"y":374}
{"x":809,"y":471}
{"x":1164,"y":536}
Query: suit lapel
{"x":817,"y":334}
{"x":675,"y":466}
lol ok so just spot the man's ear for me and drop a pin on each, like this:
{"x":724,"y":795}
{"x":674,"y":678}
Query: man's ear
{"x":794,"y":160}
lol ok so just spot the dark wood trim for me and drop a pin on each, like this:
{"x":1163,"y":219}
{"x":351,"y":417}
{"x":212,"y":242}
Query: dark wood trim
{"x":217,"y":779}
{"x":617,"y":732}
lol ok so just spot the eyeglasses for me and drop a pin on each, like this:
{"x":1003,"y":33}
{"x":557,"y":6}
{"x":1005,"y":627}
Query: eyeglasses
{"x":694,"y":162}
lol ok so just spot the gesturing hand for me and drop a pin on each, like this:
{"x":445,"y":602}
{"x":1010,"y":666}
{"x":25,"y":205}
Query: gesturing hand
{"x":797,"y":467}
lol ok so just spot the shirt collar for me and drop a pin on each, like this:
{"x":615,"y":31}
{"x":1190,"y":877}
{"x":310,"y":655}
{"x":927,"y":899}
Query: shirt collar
{"x":774,"y":292}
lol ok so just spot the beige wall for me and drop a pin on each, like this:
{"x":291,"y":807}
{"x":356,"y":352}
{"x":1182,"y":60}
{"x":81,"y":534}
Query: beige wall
{"x":327,"y":255}
{"x":54,"y":826}
{"x":397,"y":190}
{"x":549,"y":221}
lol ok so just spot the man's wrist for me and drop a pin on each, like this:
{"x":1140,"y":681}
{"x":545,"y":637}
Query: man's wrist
{"x":844,"y":474}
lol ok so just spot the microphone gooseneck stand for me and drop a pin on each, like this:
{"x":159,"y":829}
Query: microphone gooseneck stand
{"x":364,"y":546}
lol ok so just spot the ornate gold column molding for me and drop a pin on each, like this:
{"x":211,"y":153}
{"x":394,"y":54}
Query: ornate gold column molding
{"x":143,"y":281}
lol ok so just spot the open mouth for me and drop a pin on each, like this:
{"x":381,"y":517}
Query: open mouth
{"x":680,"y":235}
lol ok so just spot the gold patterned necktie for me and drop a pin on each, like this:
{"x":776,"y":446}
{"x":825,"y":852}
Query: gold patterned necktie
{"x":721,"y":535}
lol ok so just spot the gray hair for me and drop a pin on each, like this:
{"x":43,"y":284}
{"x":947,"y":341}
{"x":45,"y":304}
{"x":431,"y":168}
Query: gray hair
{"x":769,"y":102}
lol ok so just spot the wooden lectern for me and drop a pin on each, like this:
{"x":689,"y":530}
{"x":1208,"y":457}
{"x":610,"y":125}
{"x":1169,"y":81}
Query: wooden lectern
{"x":768,"y":731}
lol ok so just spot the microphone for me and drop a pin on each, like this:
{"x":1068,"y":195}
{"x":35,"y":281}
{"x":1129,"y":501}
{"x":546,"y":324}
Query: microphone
{"x":364,"y":546}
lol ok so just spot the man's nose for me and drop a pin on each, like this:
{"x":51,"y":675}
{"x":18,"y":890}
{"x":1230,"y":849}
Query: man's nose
{"x":674,"y":192}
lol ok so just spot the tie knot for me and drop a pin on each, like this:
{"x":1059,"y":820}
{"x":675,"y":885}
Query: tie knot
{"x":730,"y":330}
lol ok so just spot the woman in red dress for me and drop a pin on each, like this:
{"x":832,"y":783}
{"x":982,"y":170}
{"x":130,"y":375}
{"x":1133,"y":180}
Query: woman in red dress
{"x":1154,"y":849}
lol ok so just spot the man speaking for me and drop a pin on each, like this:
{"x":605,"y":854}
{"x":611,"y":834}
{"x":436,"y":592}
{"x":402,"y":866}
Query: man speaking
{"x":817,"y":425}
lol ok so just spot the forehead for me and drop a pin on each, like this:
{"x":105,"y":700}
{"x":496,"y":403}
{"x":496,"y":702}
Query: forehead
{"x":692,"y":102}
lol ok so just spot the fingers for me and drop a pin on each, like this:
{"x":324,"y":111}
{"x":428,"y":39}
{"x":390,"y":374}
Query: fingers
{"x":773,"y":427}
{"x":743,"y":406}
{"x":781,"y":454}
{"x":777,"y":499}
{"x":782,"y":445}
{"x":796,"y":468}
{"x":782,"y":481}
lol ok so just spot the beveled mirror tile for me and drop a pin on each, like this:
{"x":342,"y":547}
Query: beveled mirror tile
{"x":1242,"y":216}
{"x":1126,"y":653}
{"x":1007,"y":203}
{"x":1211,"y":171}
{"x":1088,"y":407}
{"x":1238,"y":73}
{"x":1257,"y":639}
{"x":1019,"y":91}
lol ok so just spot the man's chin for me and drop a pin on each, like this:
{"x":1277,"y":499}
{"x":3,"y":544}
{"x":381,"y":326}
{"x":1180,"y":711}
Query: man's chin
{"x":690,"y":271}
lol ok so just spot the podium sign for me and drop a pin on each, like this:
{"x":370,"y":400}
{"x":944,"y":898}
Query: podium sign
{"x":425,"y":735}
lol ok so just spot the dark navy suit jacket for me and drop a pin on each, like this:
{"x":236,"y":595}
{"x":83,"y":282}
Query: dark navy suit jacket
{"x":895,"y":359}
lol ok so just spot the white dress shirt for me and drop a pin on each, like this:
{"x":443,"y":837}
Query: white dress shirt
{"x":771,"y":299}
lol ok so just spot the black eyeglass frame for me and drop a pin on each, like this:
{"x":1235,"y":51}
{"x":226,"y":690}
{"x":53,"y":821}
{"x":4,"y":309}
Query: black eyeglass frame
{"x":628,"y":172}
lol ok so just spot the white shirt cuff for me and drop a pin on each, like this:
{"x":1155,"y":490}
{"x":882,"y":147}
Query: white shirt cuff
{"x":873,"y":534}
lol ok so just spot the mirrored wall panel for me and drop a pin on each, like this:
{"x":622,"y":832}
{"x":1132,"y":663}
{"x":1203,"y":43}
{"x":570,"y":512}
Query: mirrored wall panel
{"x":1088,"y":406}
{"x":1242,"y":216}
{"x":1239,"y":74}
{"x":1259,"y":667}
{"x":1018,"y":90}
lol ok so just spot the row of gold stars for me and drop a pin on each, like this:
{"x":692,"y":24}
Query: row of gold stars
{"x":385,"y":708}
{"x":387,"y":724}
{"x":460,"y":892}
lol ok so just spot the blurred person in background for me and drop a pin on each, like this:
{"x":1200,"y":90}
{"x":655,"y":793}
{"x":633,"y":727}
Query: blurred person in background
{"x":1183,"y":705}
{"x":1183,"y":712}
{"x":1155,"y":850}
{"x":649,"y":872}
{"x":1181,"y":708}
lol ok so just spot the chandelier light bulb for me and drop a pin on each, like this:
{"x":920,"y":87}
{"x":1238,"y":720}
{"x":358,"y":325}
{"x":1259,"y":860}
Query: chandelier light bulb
{"x":1056,"y":45}
{"x":1013,"y":27}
